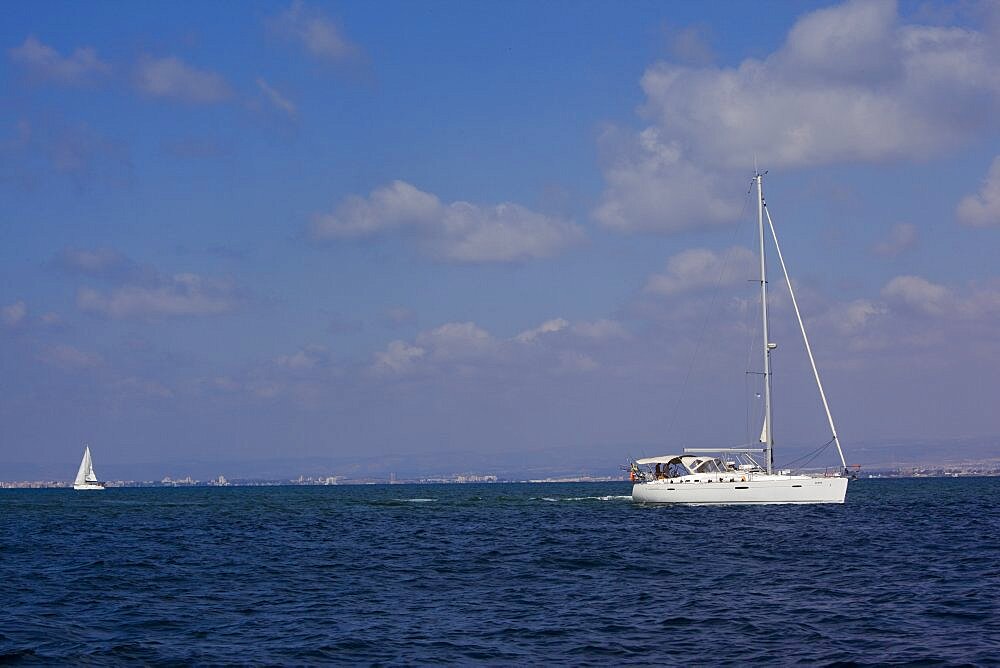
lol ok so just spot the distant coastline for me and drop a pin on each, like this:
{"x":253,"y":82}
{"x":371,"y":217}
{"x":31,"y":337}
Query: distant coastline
{"x":970,"y":471}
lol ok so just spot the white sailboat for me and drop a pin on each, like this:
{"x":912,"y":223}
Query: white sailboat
{"x":85,"y":477}
{"x":735,"y":475}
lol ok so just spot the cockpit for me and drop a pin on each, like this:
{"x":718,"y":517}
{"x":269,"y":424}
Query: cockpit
{"x":676,"y":466}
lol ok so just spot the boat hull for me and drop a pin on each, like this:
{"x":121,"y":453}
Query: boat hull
{"x":768,"y":489}
{"x":86,"y":485}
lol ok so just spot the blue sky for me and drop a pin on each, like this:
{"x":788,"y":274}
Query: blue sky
{"x":362,"y":229}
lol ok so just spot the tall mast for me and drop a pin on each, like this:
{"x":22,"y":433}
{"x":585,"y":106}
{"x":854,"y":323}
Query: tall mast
{"x":805,"y":339}
{"x":767,"y":437}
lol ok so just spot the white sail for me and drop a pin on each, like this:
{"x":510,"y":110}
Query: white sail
{"x":764,"y":436}
{"x":86,"y":469}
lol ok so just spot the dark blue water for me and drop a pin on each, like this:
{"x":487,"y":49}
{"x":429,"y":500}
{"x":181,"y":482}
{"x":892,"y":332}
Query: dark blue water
{"x":905,"y":571}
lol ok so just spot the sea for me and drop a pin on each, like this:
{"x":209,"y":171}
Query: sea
{"x":906,"y":572}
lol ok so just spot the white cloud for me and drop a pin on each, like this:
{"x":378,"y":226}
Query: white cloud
{"x":14,"y":314}
{"x":69,"y":358}
{"x":902,"y":237}
{"x":179,"y":295}
{"x":652,"y":186}
{"x":452,"y":345}
{"x":846,"y":42}
{"x":457,"y":232}
{"x":51,"y":147}
{"x":105,"y":263}
{"x":171,"y":78}
{"x":600,"y":330}
{"x":395,"y":205}
{"x":84,"y":154}
{"x":547,"y":327}
{"x":321,"y":37}
{"x":502,"y":233}
{"x":306,"y":359}
{"x":140,"y":291}
{"x":398,"y":316}
{"x":983,"y":208}
{"x":982,"y":302}
{"x":852,"y":317}
{"x":596,"y":330}
{"x":398,"y":357}
{"x":464,"y":348}
{"x":906,"y":300}
{"x":91,"y":261}
{"x":276,"y":99}
{"x":44,"y":62}
{"x":851,"y":83}
{"x":918,"y":294}
{"x":915,"y":314}
{"x":690,"y":45}
{"x":457,"y":341}
{"x":700,"y":268}
{"x":576,"y":361}
{"x":304,"y":377}
{"x":51,"y":319}
{"x":142,"y":387}
{"x":226,"y":384}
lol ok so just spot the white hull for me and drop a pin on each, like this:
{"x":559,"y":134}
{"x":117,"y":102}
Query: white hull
{"x":87,"y":485}
{"x":759,"y":488}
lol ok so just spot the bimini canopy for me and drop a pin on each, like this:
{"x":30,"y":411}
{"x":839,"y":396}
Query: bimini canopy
{"x":662,"y":459}
{"x":693,"y":463}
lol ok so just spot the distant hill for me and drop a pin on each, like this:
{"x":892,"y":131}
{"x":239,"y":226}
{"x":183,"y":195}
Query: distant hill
{"x":555,"y":461}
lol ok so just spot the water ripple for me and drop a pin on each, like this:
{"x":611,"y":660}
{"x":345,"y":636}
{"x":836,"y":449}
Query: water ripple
{"x":560,"y":574}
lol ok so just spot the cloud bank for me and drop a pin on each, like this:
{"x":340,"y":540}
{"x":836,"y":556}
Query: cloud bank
{"x":983,"y":208}
{"x":700,"y":268}
{"x":456,"y":232}
{"x":902,"y":237}
{"x":45,"y":63}
{"x":317,"y":34}
{"x":852,"y":83}
{"x":171,"y":78}
{"x":13,"y":315}
{"x":142,"y":292}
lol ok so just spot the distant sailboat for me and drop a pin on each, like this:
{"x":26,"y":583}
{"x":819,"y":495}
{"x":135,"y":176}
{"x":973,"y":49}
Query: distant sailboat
{"x":85,"y":477}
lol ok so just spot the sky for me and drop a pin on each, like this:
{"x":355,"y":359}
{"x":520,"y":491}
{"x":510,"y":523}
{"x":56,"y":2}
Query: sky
{"x":521,"y":230}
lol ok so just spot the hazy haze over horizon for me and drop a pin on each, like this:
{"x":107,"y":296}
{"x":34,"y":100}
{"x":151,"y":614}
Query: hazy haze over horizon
{"x":273,"y":230}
